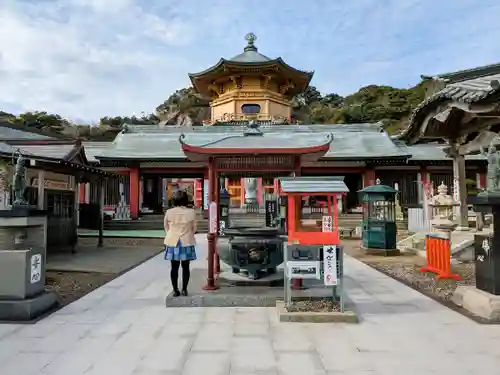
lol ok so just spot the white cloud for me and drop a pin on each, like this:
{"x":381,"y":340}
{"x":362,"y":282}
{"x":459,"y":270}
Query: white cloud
{"x":90,"y":58}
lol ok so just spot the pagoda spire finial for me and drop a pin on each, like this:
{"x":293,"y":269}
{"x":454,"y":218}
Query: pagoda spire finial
{"x":250,"y":38}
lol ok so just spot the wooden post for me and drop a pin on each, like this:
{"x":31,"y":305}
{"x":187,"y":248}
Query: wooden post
{"x":100,"y":242}
{"x":211,"y":237}
{"x":41,"y":190}
{"x":460,"y":185}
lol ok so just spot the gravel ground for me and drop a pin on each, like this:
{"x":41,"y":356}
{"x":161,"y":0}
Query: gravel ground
{"x":405,"y":268}
{"x":427,"y":282}
{"x":71,"y":286}
{"x":322,"y":305}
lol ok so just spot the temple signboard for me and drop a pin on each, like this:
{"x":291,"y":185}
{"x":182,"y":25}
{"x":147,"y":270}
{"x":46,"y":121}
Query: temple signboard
{"x":52,"y":184}
{"x":255,"y":162}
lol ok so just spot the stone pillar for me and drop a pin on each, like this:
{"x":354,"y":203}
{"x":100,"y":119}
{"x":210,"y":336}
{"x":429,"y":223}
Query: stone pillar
{"x":460,"y":191}
{"x":22,"y":266}
{"x":399,"y":210}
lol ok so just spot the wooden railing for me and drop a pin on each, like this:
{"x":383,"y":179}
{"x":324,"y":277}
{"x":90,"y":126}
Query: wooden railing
{"x":226,"y":117}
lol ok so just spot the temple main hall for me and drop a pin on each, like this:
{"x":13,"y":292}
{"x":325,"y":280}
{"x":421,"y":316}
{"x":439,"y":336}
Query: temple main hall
{"x":251,"y":92}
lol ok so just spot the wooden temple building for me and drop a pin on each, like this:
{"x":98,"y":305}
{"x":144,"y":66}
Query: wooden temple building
{"x":251,"y":115}
{"x":55,"y":168}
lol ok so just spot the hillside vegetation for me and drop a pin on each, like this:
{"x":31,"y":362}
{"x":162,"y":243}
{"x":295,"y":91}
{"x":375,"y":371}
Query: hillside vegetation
{"x":386,"y":104}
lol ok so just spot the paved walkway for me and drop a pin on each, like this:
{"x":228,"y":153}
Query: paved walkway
{"x":122,"y":328}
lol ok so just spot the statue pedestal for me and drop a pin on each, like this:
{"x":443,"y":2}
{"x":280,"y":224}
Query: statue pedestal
{"x":487,"y":247}
{"x":22,"y":265}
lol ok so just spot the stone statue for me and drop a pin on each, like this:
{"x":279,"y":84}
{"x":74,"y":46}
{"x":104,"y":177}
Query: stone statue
{"x":493,"y":171}
{"x":250,"y":190}
{"x":19,"y":183}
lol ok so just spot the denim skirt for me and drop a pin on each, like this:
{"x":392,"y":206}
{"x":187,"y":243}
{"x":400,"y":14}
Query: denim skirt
{"x":180,"y":252}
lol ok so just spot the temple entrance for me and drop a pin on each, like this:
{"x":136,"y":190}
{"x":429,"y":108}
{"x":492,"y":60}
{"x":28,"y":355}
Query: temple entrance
{"x":157,"y":190}
{"x":151,"y":194}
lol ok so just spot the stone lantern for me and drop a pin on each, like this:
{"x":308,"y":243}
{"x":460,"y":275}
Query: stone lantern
{"x":442,"y":206}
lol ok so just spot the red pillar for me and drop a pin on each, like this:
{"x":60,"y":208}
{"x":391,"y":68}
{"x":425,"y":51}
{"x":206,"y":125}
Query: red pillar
{"x":205,"y":177}
{"x":424,"y":173}
{"x":369,"y":177}
{"x":134,"y":193}
{"x":211,"y":237}
{"x":482,"y":180}
{"x":297,"y":283}
{"x":81,"y":193}
{"x":217,"y":199}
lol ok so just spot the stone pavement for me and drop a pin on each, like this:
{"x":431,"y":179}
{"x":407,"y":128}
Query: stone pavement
{"x":123,"y":328}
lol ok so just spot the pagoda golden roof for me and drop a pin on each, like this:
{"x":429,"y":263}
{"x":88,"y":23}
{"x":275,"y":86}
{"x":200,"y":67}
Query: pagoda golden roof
{"x":252,"y":62}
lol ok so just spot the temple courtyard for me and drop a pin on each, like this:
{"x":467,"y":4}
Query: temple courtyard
{"x":124,"y":328}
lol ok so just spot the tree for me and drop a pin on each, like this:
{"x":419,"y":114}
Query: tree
{"x":372,"y":103}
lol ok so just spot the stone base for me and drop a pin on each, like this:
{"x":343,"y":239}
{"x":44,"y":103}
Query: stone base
{"x":384,"y":252}
{"x":236,"y":279}
{"x":348,"y":316}
{"x":27,"y":309}
{"x":478,"y":302}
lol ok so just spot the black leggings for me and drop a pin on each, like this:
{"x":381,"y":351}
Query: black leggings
{"x":174,"y":273}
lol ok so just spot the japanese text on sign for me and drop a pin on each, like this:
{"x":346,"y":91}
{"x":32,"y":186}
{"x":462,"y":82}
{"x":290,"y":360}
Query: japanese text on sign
{"x":303,"y":270}
{"x":327,"y":224}
{"x":212,"y":217}
{"x":330,"y":265}
{"x":36,"y":268}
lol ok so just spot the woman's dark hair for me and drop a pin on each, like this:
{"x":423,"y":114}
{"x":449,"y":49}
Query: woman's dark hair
{"x":180,"y":199}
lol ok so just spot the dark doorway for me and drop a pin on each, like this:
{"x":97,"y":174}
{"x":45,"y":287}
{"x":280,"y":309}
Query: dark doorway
{"x":152,"y":198}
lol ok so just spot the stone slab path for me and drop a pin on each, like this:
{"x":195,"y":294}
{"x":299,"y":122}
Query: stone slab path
{"x":123,"y":328}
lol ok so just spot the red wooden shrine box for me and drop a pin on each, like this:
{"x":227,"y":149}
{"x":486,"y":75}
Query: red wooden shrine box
{"x":322,"y":231}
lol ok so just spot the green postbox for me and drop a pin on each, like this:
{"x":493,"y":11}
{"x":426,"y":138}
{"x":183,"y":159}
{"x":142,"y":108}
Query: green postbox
{"x":379,"y":217}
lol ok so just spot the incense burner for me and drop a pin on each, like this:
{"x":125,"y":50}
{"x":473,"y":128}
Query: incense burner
{"x":254,"y":251}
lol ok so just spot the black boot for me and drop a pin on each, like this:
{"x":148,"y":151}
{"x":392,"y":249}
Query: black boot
{"x":177,"y":293}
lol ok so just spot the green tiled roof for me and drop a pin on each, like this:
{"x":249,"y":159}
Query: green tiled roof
{"x":353,"y":141}
{"x":50,"y":151}
{"x":350,"y":142}
{"x":93,"y":149}
{"x":313,"y":184}
{"x":430,"y":151}
{"x":469,"y":91}
{"x":466,"y":74}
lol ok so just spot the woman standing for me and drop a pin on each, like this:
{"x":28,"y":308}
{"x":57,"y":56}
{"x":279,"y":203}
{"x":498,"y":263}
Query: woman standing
{"x":180,"y":225}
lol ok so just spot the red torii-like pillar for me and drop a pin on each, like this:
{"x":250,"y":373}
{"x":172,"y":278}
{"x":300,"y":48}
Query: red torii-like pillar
{"x":269,"y":153}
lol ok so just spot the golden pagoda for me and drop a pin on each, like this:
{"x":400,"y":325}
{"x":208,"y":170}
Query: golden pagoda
{"x":250,"y":86}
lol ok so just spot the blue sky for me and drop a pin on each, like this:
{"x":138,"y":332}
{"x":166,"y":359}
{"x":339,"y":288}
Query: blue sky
{"x":85,"y":59}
